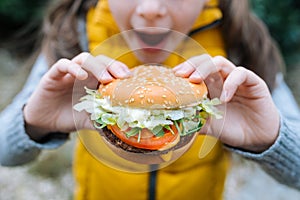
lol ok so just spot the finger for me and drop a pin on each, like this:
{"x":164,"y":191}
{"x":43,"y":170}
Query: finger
{"x":223,"y":65}
{"x":100,"y":65}
{"x":184,"y":70}
{"x":114,"y":67}
{"x":106,"y":77}
{"x":89,"y":63}
{"x":63,"y":67}
{"x":188,"y":67}
{"x":240,"y":76}
{"x":81,"y":58}
{"x":205,"y":66}
{"x":118,"y":70}
{"x":211,"y":66}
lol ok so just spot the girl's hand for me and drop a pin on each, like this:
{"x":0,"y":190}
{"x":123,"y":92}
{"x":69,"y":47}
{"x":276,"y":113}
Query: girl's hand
{"x":49,"y":109}
{"x":250,"y":120}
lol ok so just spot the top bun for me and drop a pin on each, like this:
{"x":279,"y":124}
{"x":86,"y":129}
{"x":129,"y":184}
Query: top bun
{"x":154,"y":87}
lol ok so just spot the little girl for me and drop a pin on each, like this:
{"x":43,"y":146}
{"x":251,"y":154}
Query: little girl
{"x":261,"y":120}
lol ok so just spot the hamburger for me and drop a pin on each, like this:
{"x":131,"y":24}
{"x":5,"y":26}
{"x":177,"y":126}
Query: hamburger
{"x":151,"y":117}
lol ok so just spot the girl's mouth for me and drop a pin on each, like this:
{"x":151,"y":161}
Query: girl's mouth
{"x":153,"y":40}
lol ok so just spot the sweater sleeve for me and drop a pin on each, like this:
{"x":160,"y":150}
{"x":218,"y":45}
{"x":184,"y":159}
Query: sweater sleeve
{"x":282,"y":159}
{"x":16,"y":147}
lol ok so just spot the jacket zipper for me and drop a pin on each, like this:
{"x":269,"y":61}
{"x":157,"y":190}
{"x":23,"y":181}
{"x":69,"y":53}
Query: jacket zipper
{"x":152,"y":182}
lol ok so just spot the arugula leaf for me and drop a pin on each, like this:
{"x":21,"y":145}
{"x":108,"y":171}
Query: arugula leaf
{"x":158,"y":131}
{"x":177,"y":126}
{"x":169,"y":128}
{"x":99,"y":121}
{"x":195,"y":129}
{"x":133,"y":132}
{"x":139,"y":136}
{"x":97,"y":126}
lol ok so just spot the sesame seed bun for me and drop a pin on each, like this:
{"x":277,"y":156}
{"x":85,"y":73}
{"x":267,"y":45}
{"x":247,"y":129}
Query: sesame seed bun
{"x":154,"y":87}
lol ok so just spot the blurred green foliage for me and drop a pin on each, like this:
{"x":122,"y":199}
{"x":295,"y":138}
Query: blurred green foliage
{"x":20,"y":22}
{"x":283,"y":21}
{"x":21,"y":11}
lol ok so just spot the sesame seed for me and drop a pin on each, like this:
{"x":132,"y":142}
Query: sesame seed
{"x":131,"y":100}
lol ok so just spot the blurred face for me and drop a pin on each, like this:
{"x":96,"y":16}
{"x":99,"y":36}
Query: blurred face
{"x":158,"y":25}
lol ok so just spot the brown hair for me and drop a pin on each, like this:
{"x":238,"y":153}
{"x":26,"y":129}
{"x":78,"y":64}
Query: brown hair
{"x":61,"y":38}
{"x":247,"y":39}
{"x":249,"y":43}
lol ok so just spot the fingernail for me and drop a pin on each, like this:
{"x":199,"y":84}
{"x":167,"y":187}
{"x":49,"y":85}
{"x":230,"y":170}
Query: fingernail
{"x":177,"y":67}
{"x":122,"y":73}
{"x":129,"y":72}
{"x":82,"y":74}
{"x":196,"y":77}
{"x":179,"y":72}
{"x":224,"y":96}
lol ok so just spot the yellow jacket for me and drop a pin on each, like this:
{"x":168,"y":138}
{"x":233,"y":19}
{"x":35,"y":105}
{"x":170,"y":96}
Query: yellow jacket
{"x":189,"y":177}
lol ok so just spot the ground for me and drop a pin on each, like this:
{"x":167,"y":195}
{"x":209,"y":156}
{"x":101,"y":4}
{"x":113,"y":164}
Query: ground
{"x":50,"y":177}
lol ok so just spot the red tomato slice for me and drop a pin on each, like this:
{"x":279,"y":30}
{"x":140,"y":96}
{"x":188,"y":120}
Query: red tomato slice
{"x":147,"y":139}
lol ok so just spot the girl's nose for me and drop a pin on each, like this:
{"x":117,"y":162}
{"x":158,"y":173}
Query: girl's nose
{"x":151,"y":9}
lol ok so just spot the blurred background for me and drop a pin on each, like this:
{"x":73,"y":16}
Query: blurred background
{"x":50,"y":177}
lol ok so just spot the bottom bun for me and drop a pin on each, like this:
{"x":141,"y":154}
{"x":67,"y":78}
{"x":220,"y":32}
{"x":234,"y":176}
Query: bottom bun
{"x":144,"y":156}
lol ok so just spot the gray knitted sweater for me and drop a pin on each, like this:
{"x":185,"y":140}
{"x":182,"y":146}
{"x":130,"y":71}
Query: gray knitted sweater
{"x":281,"y":160}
